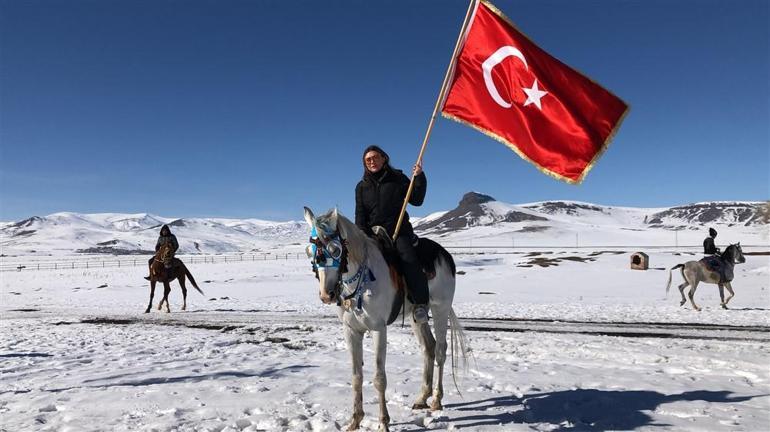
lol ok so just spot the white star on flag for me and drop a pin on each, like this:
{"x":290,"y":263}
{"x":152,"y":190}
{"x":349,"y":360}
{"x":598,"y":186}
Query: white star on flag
{"x":533,"y":95}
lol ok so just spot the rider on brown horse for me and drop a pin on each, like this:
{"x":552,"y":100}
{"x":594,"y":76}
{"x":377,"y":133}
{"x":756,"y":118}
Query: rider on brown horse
{"x":165,"y":237}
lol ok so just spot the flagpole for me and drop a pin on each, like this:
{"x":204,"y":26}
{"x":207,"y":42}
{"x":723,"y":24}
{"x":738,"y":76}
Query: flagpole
{"x":466,"y":21}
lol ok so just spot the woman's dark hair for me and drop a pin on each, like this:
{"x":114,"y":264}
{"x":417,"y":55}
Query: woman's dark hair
{"x":712,"y":232}
{"x":166,"y":229}
{"x":381,"y":152}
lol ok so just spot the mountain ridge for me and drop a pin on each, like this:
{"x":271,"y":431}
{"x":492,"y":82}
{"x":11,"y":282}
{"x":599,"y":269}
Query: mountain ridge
{"x":477,"y":216}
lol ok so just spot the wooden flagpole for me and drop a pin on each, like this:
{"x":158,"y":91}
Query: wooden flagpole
{"x":468,"y":16}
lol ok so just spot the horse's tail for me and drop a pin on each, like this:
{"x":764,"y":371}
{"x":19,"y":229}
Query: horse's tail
{"x":668,"y":284}
{"x":192,"y":280}
{"x":457,"y":340}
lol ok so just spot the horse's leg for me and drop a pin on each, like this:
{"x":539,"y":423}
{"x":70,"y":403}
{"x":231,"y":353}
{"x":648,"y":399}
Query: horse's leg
{"x":428,"y":345}
{"x":184,"y":291}
{"x":732,"y":294}
{"x":722,"y":295}
{"x":691,"y":294}
{"x":152,"y":294}
{"x":160,"y":303}
{"x":355,"y":347}
{"x":682,"y":287}
{"x":440,"y":322}
{"x":380,"y":378}
{"x":166,"y":291}
{"x":681,"y":291}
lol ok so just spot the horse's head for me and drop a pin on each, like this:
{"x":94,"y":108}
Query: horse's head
{"x":735,"y":253}
{"x":327,"y":253}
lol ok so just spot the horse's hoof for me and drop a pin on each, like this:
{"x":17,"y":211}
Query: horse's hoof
{"x":682,"y":302}
{"x":147,"y":311}
{"x":420,"y":406}
{"x":724,"y":306}
{"x":436,"y":406}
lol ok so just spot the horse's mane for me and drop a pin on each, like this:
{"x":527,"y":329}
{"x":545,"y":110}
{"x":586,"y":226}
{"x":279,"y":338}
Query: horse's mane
{"x":357,"y":241}
{"x":730,"y":251}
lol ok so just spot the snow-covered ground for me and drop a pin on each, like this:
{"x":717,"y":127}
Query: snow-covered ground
{"x":260,"y":352}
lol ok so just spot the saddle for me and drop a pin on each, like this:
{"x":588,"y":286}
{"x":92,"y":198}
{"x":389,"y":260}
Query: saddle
{"x":427,"y":252}
{"x":716,"y":264}
{"x":171,"y":269}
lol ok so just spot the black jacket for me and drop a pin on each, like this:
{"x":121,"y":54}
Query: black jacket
{"x":709,"y":248}
{"x":166,"y":239}
{"x":379,"y":198}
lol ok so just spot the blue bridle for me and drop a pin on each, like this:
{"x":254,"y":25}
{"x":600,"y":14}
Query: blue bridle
{"x":332,"y":253}
{"x":328,"y":254}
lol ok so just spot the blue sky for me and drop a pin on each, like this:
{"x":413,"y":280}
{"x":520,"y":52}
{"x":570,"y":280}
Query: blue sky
{"x":256,"y":108}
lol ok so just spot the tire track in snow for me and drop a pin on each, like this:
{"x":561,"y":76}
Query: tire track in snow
{"x":250,"y":321}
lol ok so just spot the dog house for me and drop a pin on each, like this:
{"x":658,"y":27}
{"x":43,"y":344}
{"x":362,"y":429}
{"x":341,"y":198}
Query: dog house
{"x":640,"y":261}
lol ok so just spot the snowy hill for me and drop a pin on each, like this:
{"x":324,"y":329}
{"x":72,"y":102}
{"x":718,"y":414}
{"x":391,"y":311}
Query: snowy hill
{"x":482,"y":220}
{"x":478,"y":219}
{"x":111,"y":233}
{"x":731,"y":213}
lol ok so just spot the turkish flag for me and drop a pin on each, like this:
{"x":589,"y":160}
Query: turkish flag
{"x":508,"y":88}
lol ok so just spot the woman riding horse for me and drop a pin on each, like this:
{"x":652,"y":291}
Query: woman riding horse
{"x":379,"y":197}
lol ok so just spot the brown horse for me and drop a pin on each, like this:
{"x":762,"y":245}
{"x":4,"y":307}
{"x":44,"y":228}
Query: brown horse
{"x":160,"y":273}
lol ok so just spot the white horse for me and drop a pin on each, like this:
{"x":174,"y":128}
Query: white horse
{"x":353,"y":273}
{"x":695,"y":272}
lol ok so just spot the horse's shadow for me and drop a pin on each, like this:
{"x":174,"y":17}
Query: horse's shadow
{"x":581,"y":409}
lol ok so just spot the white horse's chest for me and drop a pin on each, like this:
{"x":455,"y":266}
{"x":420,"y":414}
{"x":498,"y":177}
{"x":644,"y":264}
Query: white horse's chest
{"x":361,"y":321}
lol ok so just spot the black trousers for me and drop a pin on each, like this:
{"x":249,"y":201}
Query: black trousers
{"x":416,"y":281}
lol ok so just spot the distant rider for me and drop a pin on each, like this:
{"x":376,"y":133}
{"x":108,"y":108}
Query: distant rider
{"x":165,"y":237}
{"x":379,"y":197}
{"x":709,"y":248}
{"x":713,"y":261}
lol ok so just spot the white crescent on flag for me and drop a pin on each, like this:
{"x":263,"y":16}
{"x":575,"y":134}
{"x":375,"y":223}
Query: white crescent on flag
{"x":492,"y":61}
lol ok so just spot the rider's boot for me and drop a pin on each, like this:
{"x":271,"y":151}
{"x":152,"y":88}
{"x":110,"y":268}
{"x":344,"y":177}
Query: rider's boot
{"x":149,"y":269}
{"x":420,"y":313}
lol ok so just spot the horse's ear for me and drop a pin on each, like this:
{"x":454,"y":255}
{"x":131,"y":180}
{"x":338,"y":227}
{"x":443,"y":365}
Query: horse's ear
{"x":309,"y":217}
{"x":334,"y":218}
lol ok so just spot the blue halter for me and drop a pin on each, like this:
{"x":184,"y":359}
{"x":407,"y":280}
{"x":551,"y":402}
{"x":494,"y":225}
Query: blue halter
{"x":329,"y":255}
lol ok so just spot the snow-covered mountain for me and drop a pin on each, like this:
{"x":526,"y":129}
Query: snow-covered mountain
{"x":480,"y":219}
{"x":477,"y":220}
{"x":111,"y":233}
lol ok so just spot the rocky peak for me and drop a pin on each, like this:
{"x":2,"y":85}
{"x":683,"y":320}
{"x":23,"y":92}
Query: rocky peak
{"x":474,"y":198}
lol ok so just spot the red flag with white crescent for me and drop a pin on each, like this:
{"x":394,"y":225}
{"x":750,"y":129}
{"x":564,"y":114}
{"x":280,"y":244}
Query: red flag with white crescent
{"x":508,"y":88}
